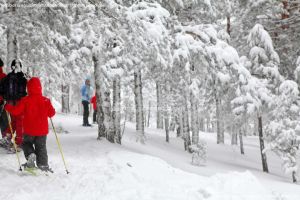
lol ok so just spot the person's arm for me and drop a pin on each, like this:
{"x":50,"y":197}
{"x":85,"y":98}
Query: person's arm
{"x":16,"y":110}
{"x":83,"y":91}
{"x":51,"y":110}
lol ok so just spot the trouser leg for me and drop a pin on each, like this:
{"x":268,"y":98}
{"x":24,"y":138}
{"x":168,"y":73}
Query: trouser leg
{"x":41,"y":151}
{"x":85,"y":112}
{"x":27,"y":146}
{"x":95,"y":116}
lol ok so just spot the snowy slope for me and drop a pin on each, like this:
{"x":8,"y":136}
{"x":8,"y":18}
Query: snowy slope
{"x":100,"y":170}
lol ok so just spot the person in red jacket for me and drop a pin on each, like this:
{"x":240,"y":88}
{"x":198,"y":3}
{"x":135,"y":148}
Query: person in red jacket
{"x":36,"y":109}
{"x":94,"y":102}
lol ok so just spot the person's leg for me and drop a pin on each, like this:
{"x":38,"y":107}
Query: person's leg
{"x":84,"y":113}
{"x":87,"y":113}
{"x":41,"y":151}
{"x":27,"y":145}
{"x":3,"y":121}
{"x":95,"y":116}
{"x":19,"y":130}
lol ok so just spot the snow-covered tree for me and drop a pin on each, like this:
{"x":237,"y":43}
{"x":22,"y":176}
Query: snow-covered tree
{"x":282,"y":133}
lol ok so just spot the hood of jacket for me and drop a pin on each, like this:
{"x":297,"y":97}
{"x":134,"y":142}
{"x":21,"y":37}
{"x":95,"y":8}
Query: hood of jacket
{"x":34,"y":86}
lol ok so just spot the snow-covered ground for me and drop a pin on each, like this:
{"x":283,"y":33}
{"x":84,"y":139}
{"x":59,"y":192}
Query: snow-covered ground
{"x":156,"y":170}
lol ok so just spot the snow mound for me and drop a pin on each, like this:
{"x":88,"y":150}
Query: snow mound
{"x":155,"y":179}
{"x":120,"y":174}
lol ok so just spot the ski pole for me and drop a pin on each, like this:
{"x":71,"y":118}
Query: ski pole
{"x":13,"y":140}
{"x":59,"y":146}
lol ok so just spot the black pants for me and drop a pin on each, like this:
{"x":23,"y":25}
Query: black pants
{"x":86,"y":112}
{"x":3,"y":119}
{"x":36,"y":145}
{"x":95,"y":116}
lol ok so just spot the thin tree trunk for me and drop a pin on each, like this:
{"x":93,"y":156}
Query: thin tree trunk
{"x":194,"y":113}
{"x":208,"y":124}
{"x":139,"y":105}
{"x":228,"y":24}
{"x":65,"y":101}
{"x":262,"y":145}
{"x":294,"y":177}
{"x":117,"y":109}
{"x":180,"y":131}
{"x":241,"y":141}
{"x":149,"y":114}
{"x":234,"y":135}
{"x":201,"y":124}
{"x":167,"y":128}
{"x":220,"y":133}
{"x":173,"y":120}
{"x":186,"y":127}
{"x":159,"y":117}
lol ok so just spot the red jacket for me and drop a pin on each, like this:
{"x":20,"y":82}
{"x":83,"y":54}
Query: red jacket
{"x":94,"y":102}
{"x":2,"y":75}
{"x":35,"y":108}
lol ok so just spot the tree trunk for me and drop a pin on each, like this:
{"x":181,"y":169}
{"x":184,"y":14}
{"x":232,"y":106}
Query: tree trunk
{"x":167,"y":128}
{"x":186,"y":127}
{"x":65,"y":98}
{"x":159,"y":118}
{"x":228,"y":25}
{"x":12,"y":47}
{"x":294,"y":177}
{"x":194,"y":114}
{"x":220,"y":133}
{"x":180,"y":131}
{"x":208,"y":124}
{"x":139,"y":105}
{"x":233,"y":135}
{"x":241,"y":141}
{"x":262,"y":145}
{"x":173,"y":120}
{"x":201,"y":124}
{"x":102,"y":132}
{"x":117,"y":109}
{"x":149,"y":114}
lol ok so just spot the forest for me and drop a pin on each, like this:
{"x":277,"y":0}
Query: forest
{"x":230,"y":67}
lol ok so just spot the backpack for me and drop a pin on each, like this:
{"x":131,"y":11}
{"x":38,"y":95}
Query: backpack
{"x":13,"y":86}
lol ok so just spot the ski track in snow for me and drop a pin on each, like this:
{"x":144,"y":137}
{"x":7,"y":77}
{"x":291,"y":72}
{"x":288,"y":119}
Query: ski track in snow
{"x":100,"y":170}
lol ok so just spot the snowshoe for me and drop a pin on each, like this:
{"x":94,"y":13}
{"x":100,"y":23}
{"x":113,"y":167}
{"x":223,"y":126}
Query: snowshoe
{"x":45,"y":169}
{"x":4,"y":142}
{"x":12,"y":150}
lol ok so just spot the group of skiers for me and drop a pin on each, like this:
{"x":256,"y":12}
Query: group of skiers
{"x":24,"y":114}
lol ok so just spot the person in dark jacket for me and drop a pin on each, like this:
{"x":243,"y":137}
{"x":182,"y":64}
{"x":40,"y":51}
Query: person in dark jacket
{"x":86,"y":93}
{"x":94,"y":103}
{"x":4,"y":142}
{"x":36,"y":109}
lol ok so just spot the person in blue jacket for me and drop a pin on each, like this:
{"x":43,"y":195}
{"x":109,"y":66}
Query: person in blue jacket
{"x":86,"y":93}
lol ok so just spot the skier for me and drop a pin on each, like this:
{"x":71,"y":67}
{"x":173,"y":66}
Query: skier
{"x":4,"y":142}
{"x":86,"y":93}
{"x":36,"y":109}
{"x":94,"y":102}
{"x":14,"y":88}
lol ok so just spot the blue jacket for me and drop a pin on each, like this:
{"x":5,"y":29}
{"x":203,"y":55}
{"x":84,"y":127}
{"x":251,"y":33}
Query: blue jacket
{"x":86,"y":93}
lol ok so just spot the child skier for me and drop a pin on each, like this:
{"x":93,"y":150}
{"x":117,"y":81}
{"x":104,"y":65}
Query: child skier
{"x":36,"y":109}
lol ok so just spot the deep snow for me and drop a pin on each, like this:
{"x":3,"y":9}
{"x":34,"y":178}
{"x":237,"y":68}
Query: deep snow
{"x":100,"y":170}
